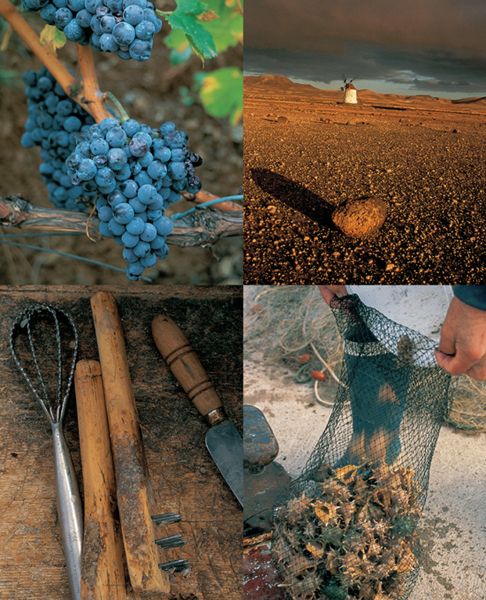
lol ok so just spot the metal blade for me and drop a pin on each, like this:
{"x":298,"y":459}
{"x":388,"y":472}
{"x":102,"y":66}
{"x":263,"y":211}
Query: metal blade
{"x":226,"y":447}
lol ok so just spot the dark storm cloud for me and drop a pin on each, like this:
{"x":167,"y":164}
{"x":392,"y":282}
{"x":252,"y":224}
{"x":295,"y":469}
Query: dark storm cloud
{"x":430,"y":69}
{"x":326,"y":25}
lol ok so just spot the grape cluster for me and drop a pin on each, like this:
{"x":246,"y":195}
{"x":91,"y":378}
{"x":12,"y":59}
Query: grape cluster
{"x":126,"y":27}
{"x":137,"y":172}
{"x":53,"y":123}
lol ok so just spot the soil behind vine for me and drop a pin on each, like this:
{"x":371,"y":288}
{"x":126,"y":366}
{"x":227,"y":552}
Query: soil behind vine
{"x":150,"y":92}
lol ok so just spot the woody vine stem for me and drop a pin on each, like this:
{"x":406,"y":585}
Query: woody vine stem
{"x":89,"y":96}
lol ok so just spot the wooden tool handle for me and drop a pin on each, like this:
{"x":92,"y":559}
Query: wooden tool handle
{"x":134,"y":491}
{"x":184,"y":363}
{"x":102,"y":574}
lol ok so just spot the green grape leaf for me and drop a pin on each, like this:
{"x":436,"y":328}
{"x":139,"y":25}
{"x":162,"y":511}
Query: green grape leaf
{"x":221,"y":93}
{"x":187,"y":17}
{"x":52,"y":38}
{"x":180,"y":50}
{"x":228,"y":29}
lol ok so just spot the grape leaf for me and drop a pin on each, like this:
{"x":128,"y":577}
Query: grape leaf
{"x":52,"y":38}
{"x":180,"y":50}
{"x":221,"y":93}
{"x":186,"y":17}
{"x":227,"y":30}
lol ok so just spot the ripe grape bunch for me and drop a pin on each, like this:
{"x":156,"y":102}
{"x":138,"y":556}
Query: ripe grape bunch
{"x":53,"y":123}
{"x":137,"y":173}
{"x":126,"y":27}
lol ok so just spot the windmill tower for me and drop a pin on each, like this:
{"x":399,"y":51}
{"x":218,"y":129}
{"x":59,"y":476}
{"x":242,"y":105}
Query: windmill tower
{"x":350,"y":92}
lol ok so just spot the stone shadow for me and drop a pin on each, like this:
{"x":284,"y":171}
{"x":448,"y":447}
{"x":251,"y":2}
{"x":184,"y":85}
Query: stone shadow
{"x":295,"y":196}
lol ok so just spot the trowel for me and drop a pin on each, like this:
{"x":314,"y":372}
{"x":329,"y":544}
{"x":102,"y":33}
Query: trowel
{"x":265,"y":481}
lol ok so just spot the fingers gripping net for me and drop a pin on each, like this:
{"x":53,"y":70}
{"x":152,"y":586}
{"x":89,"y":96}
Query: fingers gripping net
{"x":348,"y":528}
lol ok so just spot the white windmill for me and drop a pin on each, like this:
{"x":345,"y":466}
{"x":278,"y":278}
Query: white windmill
{"x":350,"y":92}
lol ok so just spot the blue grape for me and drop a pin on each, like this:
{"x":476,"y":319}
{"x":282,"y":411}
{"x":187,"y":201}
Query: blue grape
{"x":116,"y":228}
{"x":129,"y":255}
{"x":107,"y":23}
{"x":105,"y":213}
{"x":145,"y":30}
{"x":107,"y":43}
{"x":104,"y":176}
{"x":116,"y":137}
{"x":157,"y":170}
{"x":117,"y":159}
{"x":100,"y":160}
{"x":62,"y":17}
{"x":149,"y":260}
{"x":48,"y":14}
{"x":138,"y":147}
{"x":147,"y":194}
{"x":143,"y":178}
{"x":136,"y":226}
{"x":133,"y":15}
{"x":75,"y":5}
{"x":115,"y":198}
{"x":142,"y":249}
{"x":92,"y":5}
{"x":129,"y":188}
{"x":123,"y":213}
{"x":129,"y":240}
{"x":176,"y":170}
{"x":164,"y":226}
{"x":130,"y":126}
{"x":137,"y":206}
{"x":83,"y":17}
{"x":167,"y":127}
{"x":140,"y":49}
{"x":72,"y":123}
{"x":124,"y":34}
{"x":86,"y":169}
{"x":104,"y":229}
{"x":149,"y":233}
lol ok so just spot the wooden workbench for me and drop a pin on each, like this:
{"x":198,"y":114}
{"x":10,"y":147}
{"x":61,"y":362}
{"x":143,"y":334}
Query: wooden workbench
{"x":183,"y":474}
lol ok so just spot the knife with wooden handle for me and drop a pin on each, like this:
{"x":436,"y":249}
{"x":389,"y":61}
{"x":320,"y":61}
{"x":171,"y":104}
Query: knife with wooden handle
{"x":134,"y":490}
{"x":222,"y":440}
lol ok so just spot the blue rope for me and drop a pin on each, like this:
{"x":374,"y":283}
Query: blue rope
{"x":93,"y":262}
{"x":207,"y":204}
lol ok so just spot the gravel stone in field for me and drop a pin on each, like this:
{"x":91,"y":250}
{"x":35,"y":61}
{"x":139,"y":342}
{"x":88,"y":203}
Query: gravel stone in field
{"x":360,"y":217}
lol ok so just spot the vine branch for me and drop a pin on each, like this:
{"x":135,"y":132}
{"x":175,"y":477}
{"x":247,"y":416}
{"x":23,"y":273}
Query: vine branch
{"x":91,"y":91}
{"x":90,"y":99}
{"x":201,"y":228}
{"x":46,"y":56}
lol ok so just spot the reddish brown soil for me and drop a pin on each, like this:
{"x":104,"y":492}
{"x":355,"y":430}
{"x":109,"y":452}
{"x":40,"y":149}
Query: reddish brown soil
{"x":306,"y":153}
{"x":150,"y":93}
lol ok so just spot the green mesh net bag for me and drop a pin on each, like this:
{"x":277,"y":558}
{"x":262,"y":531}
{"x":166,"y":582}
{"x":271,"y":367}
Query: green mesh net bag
{"x":348,"y":528}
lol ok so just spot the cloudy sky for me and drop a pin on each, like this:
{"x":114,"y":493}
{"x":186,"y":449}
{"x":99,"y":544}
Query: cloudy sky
{"x":435,"y":47}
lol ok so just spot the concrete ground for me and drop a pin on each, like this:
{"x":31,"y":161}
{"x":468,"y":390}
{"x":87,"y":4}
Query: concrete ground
{"x":453,"y":528}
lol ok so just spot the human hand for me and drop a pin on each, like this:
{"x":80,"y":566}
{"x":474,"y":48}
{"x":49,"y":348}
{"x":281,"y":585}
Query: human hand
{"x":462,"y":346}
{"x":329,"y":292}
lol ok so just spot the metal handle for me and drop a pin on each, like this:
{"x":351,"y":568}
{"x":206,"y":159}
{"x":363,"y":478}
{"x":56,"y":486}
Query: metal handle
{"x":69,"y":510}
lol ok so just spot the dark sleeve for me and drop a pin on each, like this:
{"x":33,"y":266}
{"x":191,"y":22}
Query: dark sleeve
{"x":474,"y":295}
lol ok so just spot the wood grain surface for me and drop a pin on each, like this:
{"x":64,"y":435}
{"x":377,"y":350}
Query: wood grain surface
{"x":184,"y":478}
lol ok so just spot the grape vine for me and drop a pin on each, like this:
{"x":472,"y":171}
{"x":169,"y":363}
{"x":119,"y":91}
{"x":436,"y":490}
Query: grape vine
{"x":93,"y":159}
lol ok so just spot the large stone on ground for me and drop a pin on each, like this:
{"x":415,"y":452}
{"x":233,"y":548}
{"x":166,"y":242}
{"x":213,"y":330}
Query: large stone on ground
{"x":362,"y":217}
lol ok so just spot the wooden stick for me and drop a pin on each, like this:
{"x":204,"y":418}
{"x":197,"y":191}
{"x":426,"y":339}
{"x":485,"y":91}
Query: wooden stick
{"x":102,"y":571}
{"x":134,"y":493}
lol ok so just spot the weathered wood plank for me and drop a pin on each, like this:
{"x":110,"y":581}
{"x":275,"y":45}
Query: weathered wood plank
{"x":183,"y":475}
